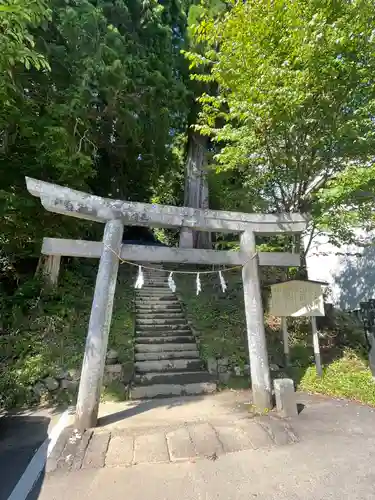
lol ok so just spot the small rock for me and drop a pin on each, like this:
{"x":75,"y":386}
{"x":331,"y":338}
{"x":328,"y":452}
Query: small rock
{"x":237,"y":371}
{"x":224,"y":377}
{"x":222,"y":369}
{"x":61,"y":373}
{"x":212,"y":365}
{"x":113,"y":372}
{"x":74,"y":374}
{"x":127,"y":371}
{"x":112,"y":357}
{"x":39,"y":389}
{"x":117,"y":368}
{"x":223,"y":362}
{"x":274,"y":367}
{"x":51,"y":383}
{"x":69,"y":385}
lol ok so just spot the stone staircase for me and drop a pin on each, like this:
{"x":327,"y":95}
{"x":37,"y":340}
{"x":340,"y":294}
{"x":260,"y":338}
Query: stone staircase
{"x":167,"y":361}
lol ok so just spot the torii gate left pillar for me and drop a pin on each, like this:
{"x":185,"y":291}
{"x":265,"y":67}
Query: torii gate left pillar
{"x":100,"y":321}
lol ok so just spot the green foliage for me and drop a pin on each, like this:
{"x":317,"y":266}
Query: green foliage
{"x":348,"y":377}
{"x":218,"y":318}
{"x":104,"y":119}
{"x":46,"y":333}
{"x":295,"y":103}
{"x":114,"y":391}
{"x":17,"y":45}
{"x":122,"y":328}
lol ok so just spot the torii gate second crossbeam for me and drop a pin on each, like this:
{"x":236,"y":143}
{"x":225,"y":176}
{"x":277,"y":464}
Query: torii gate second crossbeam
{"x":116,"y":213}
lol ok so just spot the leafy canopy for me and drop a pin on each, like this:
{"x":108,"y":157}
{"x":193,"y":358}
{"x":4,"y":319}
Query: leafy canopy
{"x":295,"y":107}
{"x":93,"y":97}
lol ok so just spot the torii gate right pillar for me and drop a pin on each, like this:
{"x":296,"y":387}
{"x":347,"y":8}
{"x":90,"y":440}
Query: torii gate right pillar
{"x":256,"y":337}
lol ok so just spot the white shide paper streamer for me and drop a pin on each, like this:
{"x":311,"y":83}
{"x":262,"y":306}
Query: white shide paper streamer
{"x":140,"y":279}
{"x":171,"y":282}
{"x":222,"y":282}
{"x":199,"y":288}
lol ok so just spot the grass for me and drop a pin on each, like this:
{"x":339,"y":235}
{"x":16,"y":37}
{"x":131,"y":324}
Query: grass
{"x":348,"y":377}
{"x":114,"y":391}
{"x":218,"y":318}
{"x":122,"y":329}
{"x":236,"y":383}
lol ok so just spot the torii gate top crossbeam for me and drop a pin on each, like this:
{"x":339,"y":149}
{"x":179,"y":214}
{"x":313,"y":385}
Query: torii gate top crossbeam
{"x":68,"y":201}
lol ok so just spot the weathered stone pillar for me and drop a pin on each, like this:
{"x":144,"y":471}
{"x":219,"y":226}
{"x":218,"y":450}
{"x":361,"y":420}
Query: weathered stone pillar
{"x":259,"y":367}
{"x":318,"y":361}
{"x":99,"y":325}
{"x":285,"y":397}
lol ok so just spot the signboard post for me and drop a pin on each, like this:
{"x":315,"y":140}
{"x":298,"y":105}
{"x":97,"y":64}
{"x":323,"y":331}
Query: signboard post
{"x":297,"y":298}
{"x":284,"y":327}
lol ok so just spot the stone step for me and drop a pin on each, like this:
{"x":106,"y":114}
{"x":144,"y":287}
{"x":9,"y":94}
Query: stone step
{"x":151,"y":286}
{"x":168,"y":365}
{"x":169,"y":320}
{"x":180,"y":378}
{"x":159,"y":310}
{"x":157,"y":355}
{"x":163,"y":287}
{"x":165,"y":340}
{"x":142,"y":315}
{"x":154,"y":282}
{"x":159,"y":327}
{"x":157,"y":299}
{"x":170,"y":390}
{"x":155,"y":293}
{"x":158,"y":303}
{"x":155,"y":279}
{"x":162,"y":319}
{"x":143,"y":304}
{"x":155,"y":274}
{"x":163,"y":333}
{"x":164,"y":347}
{"x":159,"y":313}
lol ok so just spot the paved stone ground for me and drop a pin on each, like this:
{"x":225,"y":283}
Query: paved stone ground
{"x":175,"y":443}
{"x":332,"y":460}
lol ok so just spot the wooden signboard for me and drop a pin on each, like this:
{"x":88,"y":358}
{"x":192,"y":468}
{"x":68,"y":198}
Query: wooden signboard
{"x":297,"y":298}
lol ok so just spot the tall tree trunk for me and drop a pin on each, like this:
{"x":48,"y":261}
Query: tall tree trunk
{"x":196,"y":190}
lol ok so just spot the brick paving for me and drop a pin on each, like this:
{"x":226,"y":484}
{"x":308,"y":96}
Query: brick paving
{"x":182,"y":442}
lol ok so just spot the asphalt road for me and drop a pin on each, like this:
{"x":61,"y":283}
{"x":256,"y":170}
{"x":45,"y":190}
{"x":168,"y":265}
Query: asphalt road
{"x":21,"y":435}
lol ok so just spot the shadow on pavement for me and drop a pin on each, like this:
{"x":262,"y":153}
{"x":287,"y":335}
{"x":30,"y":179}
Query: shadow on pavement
{"x":21,"y":436}
{"x":300,"y":407}
{"x":144,"y":406}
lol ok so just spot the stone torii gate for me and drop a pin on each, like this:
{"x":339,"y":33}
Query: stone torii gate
{"x":115,"y":214}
